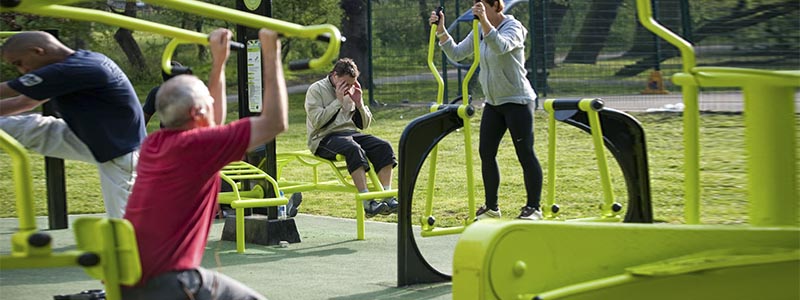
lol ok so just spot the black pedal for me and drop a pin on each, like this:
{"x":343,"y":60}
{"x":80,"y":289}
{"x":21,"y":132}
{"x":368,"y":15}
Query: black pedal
{"x":85,"y":295}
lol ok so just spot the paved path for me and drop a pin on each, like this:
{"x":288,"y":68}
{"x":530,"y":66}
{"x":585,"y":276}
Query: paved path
{"x":328,"y":264}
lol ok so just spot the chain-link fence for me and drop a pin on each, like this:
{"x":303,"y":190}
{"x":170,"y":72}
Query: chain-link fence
{"x":591,"y":48}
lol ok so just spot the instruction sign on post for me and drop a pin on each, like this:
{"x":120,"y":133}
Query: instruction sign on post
{"x":254,"y":76}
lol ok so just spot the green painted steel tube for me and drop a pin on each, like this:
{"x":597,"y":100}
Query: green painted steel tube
{"x":23,"y":180}
{"x":691,"y":146}
{"x":166,"y":57}
{"x":462,"y":111}
{"x":551,"y":159}
{"x":645,"y":11}
{"x":435,"y":151}
{"x":439,"y":81}
{"x":599,"y":152}
{"x":691,"y":111}
{"x":66,"y":259}
{"x":288,"y":29}
{"x":45,"y":8}
{"x":442,"y":231}
{"x":251,"y":203}
{"x":770,"y":139}
{"x":110,"y":263}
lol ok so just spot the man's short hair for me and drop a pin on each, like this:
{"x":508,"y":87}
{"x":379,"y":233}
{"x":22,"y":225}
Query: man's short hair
{"x":345,"y":66}
{"x":176,"y":98}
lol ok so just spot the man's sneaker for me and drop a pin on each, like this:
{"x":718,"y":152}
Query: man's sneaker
{"x":375,"y":208}
{"x":392,"y":204}
{"x":530,"y":213}
{"x":485,"y":213}
{"x":294,"y":203}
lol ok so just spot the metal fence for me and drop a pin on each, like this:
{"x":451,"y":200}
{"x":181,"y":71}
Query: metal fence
{"x":591,"y":48}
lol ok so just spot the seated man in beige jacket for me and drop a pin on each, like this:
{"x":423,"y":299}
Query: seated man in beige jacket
{"x":335,"y":114}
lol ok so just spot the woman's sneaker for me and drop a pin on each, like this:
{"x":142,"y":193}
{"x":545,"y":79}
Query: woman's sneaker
{"x":530,"y":213}
{"x":485,"y":213}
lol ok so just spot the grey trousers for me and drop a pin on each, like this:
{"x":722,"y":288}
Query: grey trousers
{"x":195,"y":284}
{"x":52,"y":137}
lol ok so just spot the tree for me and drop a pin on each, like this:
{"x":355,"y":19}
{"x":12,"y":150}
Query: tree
{"x":354,"y":27}
{"x":124,"y":38}
{"x":738,"y":19}
{"x":594,"y":32}
{"x":544,"y":43}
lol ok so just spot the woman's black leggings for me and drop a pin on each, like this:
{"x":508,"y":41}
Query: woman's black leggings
{"x":518,"y":119}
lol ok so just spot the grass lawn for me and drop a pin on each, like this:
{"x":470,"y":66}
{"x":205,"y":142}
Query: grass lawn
{"x":577,"y":181}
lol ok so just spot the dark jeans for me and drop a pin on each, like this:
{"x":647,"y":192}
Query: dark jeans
{"x":357,"y":148}
{"x":518,"y":119}
{"x":197,"y":284}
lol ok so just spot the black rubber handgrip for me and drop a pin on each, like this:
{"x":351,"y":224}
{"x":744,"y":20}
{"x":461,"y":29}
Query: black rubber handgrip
{"x":438,"y":11}
{"x":572,"y":104}
{"x":298,"y":65}
{"x":237,"y":46}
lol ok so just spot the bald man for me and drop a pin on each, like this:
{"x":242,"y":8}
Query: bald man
{"x":101,"y":120}
{"x":174,"y":200}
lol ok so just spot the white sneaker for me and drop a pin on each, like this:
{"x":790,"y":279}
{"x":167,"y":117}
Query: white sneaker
{"x":530,"y":213}
{"x":484,"y":213}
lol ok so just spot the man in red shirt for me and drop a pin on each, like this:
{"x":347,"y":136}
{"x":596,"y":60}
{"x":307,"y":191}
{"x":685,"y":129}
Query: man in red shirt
{"x":174,"y":200}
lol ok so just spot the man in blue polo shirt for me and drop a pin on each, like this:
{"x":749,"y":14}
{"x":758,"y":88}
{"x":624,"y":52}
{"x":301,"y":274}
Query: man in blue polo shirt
{"x":101,"y":118}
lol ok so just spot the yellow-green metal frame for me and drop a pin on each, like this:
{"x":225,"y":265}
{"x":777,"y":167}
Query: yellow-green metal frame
{"x":61,"y":9}
{"x":585,"y":105}
{"x":341,"y":183}
{"x":112,"y":241}
{"x":429,"y":229}
{"x":235,"y":174}
{"x":770,"y":133}
{"x":505,"y":260}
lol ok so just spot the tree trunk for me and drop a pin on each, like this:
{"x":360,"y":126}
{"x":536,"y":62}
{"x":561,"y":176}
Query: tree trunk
{"x":546,"y":26}
{"x":738,"y":19}
{"x":354,"y":27}
{"x":644,"y":43}
{"x":124,"y":38}
{"x":424,"y":15}
{"x":201,"y":50}
{"x":594,"y":32}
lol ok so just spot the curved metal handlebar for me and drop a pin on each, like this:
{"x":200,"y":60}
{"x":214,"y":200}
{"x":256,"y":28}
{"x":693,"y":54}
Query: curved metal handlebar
{"x":476,"y":59}
{"x":431,"y":45}
{"x":166,"y":57}
{"x":315,"y":32}
{"x":59,"y":9}
{"x":645,"y":11}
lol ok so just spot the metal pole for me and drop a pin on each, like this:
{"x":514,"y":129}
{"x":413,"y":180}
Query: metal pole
{"x":656,"y":42}
{"x":55,"y":179}
{"x":370,"y":83}
{"x":686,"y":20}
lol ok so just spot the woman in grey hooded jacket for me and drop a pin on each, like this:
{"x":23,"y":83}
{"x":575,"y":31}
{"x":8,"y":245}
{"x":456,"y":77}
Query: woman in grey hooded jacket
{"x":509,"y":100}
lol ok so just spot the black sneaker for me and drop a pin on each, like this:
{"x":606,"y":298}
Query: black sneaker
{"x":294,"y":202}
{"x":374,"y":208}
{"x":530,"y":213}
{"x":484,"y":212}
{"x":393,"y":205}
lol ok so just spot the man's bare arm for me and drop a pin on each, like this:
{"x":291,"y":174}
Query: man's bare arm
{"x":18,"y":104}
{"x":219,"y":40}
{"x":6,"y":91}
